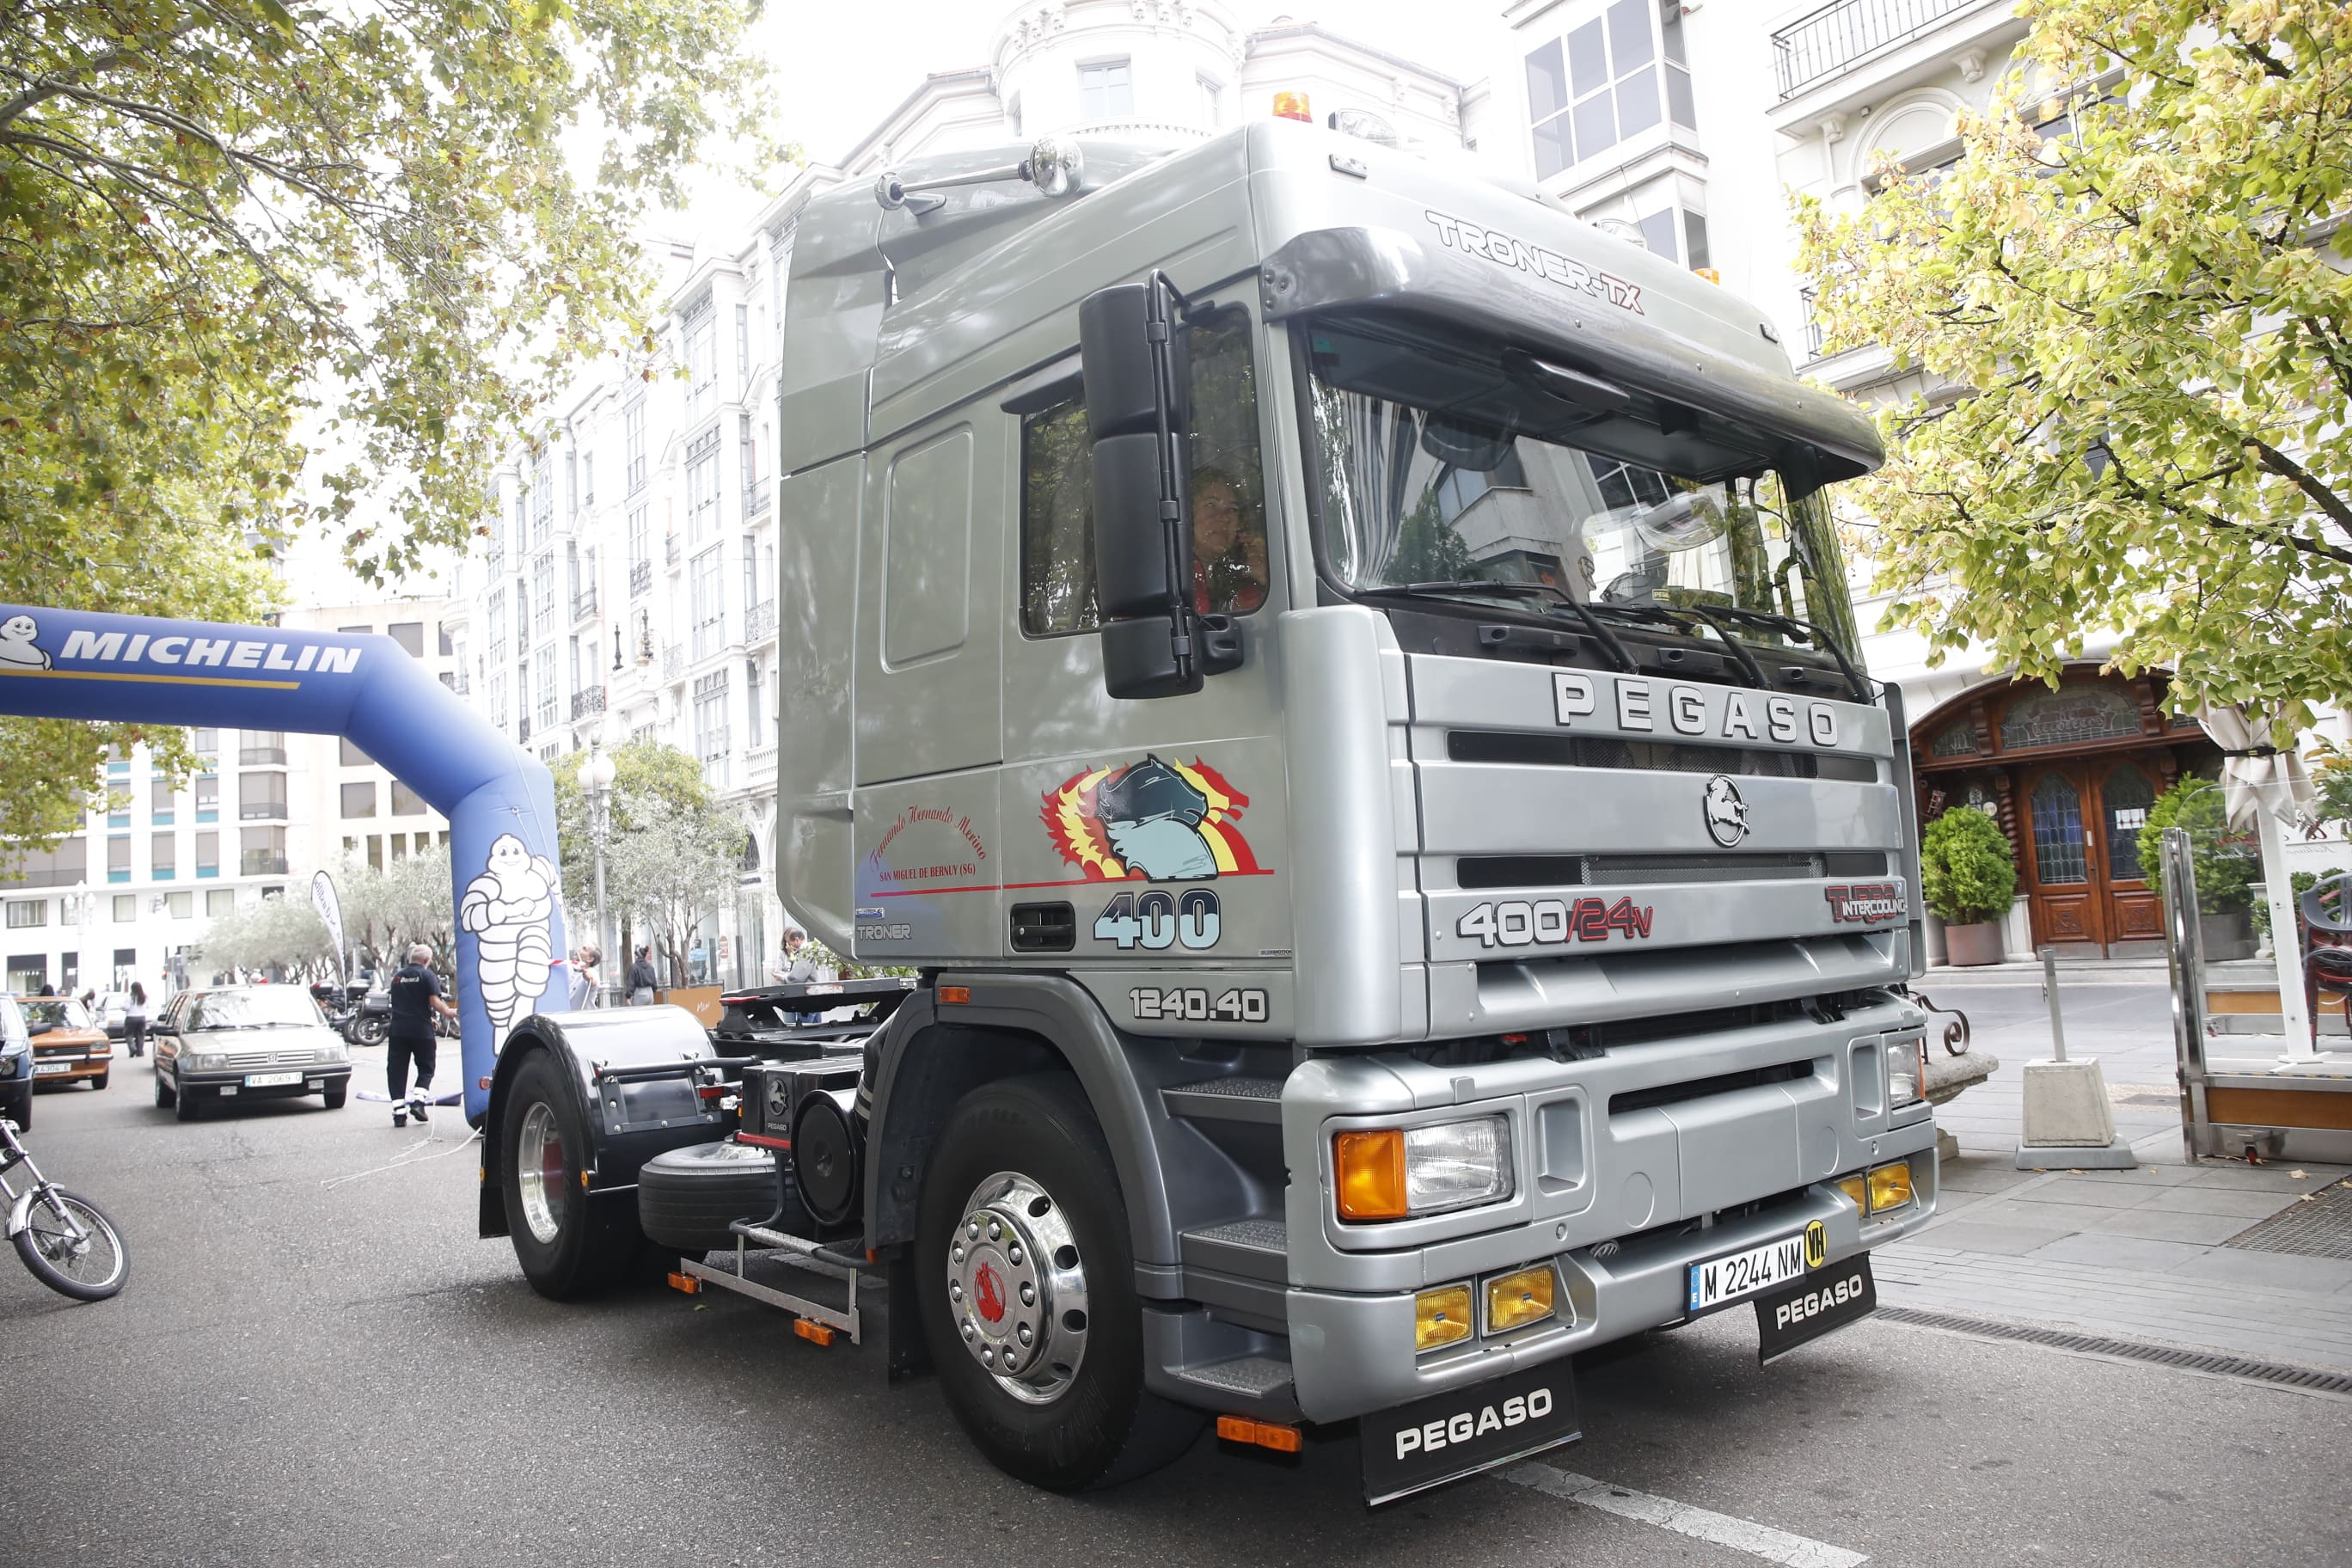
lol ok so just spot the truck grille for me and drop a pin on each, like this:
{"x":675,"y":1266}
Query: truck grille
{"x":1608,"y":870}
{"x":1656,"y":756}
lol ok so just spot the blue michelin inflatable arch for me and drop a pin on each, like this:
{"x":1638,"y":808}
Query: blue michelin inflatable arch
{"x":499,"y":800}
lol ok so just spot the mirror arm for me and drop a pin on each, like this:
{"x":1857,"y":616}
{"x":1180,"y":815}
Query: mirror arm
{"x":1159,"y":327}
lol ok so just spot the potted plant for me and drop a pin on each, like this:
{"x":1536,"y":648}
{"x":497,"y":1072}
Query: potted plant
{"x":2226,"y":866}
{"x":1968,"y":874}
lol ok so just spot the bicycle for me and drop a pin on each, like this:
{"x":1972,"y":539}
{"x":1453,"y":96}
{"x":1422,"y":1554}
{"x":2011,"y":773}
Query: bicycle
{"x":63,"y":1238}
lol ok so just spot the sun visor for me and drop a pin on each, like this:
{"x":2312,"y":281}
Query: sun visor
{"x":1522,"y":294}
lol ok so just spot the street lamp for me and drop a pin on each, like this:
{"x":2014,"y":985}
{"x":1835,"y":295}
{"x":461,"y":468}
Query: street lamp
{"x":596,"y":776}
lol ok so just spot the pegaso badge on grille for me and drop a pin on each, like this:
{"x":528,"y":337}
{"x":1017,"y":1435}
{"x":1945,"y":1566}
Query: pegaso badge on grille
{"x":1726,"y":814}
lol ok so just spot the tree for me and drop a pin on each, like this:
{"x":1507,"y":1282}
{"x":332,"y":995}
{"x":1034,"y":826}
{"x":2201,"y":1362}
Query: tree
{"x":673,"y":868}
{"x":2138,"y":290}
{"x":641,"y":769}
{"x":386,"y":910}
{"x":261,"y":269}
{"x":272,"y":933}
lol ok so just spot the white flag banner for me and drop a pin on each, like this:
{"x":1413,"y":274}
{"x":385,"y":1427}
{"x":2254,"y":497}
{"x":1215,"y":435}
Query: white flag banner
{"x":331,"y":910}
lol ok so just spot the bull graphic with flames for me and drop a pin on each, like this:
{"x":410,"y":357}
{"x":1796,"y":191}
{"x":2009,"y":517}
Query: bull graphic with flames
{"x":1153,"y":820}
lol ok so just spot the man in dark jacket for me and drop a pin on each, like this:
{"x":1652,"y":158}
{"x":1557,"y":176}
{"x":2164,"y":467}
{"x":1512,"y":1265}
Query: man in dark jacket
{"x":642,"y":979}
{"x":416,"y":997}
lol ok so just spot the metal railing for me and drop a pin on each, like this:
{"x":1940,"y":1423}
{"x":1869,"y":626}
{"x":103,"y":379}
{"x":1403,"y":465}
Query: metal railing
{"x":641,"y":579}
{"x":583,"y":604}
{"x":1813,"y":324}
{"x":260,"y":863}
{"x":1824,"y":42}
{"x":755,"y":498}
{"x":672,"y":549}
{"x":589,"y":699}
{"x":760,"y":622}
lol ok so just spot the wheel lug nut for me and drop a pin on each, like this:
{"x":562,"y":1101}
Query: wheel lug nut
{"x":1012,"y":1255}
{"x":970,"y":1330}
{"x":994,"y":1230}
{"x":972,"y":1228}
{"x":987,"y":1358}
{"x":1025,"y":1335}
{"x":957,"y":1256}
{"x":955,"y":1290}
{"x":1028,"y":1294}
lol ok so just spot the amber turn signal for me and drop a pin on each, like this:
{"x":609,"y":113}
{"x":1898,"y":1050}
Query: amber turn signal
{"x":1890,"y":1186}
{"x":1856,"y":1187}
{"x":1371,"y":1171}
{"x":1515,"y":1301}
{"x":1292,"y":106}
{"x":954,"y":994}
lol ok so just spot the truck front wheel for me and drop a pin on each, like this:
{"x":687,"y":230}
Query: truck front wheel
{"x":567,"y":1249}
{"x":1026,"y":1278}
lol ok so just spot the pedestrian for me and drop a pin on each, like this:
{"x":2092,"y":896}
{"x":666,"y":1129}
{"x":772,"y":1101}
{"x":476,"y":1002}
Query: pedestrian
{"x":642,"y":979}
{"x":47,"y":989}
{"x":586,"y":982}
{"x":134,"y":1021}
{"x":798,"y":966}
{"x":416,"y":997}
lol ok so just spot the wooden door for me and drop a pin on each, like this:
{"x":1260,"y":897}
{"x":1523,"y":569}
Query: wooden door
{"x":2061,"y":866}
{"x":2133,"y":912}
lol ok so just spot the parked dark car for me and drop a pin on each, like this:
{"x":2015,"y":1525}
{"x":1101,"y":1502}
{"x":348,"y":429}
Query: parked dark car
{"x":246,"y":1042}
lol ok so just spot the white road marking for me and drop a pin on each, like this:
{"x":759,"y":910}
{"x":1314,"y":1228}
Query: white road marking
{"x":1739,"y":1534}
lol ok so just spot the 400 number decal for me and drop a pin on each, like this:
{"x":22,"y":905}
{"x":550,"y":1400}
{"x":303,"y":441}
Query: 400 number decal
{"x":1523,"y":922}
{"x":1194,"y":1004}
{"x":1157,"y":919}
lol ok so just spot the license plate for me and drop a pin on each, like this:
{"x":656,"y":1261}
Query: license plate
{"x":270,"y":1079}
{"x":1822,"y":1302}
{"x":1742,"y":1274}
{"x":42,"y":1070}
{"x":1454,"y":1434}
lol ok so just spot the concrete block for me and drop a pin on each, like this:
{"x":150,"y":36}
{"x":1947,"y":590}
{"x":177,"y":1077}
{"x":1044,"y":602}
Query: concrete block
{"x":1947,"y":1146}
{"x":2114,"y":1156}
{"x":2066,"y":1104}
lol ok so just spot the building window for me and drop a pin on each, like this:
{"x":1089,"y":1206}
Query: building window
{"x":206,"y":743}
{"x":180,"y":905}
{"x":710,"y":727}
{"x":359,"y":799}
{"x":571,"y":483}
{"x":261,"y":851}
{"x":263,"y":748}
{"x":755,"y":718}
{"x":1614,"y":77}
{"x":409,"y":635}
{"x":701,"y":488}
{"x":207,"y":797}
{"x":543,"y":498}
{"x":542,"y":589}
{"x":633,"y":427}
{"x":261,"y":797}
{"x":406,"y":801}
{"x":164,"y":856}
{"x":1106,"y":91}
{"x":494,"y":623}
{"x":743,"y":347}
{"x":709,"y":597}
{"x":1213,"y":101}
{"x":1695,"y":241}
{"x":699,"y":327}
{"x":118,"y":858}
{"x":1658,"y":234}
{"x":25,"y":915}
{"x":208,"y":854}
{"x":547,"y":690}
{"x":640,"y":553}
{"x":126,"y":908}
{"x":587,"y":479}
{"x":160,"y":803}
{"x":499,"y":698}
{"x":219,"y":901}
{"x":350,"y":756}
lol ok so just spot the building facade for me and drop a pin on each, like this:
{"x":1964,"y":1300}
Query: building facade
{"x":627,"y":586}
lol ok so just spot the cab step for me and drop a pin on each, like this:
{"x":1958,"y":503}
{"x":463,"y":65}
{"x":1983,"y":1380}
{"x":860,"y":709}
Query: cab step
{"x":1230,"y":1098}
{"x":1253,"y":1378}
{"x":1255,"y":1247}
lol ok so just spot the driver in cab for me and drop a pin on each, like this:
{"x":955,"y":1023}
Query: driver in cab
{"x":1228,"y":550}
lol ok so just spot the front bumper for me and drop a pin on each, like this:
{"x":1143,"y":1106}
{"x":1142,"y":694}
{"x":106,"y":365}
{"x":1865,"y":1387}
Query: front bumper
{"x":72,"y":1066}
{"x":1352,"y":1354}
{"x":314,"y":1080}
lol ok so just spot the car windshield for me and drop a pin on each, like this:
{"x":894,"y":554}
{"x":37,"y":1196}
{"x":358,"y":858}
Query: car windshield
{"x":1445,"y":463}
{"x":58,"y":1011}
{"x":251,"y":1009}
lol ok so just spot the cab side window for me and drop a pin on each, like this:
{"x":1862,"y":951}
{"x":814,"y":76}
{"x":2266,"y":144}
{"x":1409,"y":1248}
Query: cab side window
{"x":1228,"y":493}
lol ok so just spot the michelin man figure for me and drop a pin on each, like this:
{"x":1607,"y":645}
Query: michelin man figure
{"x":16,"y":635}
{"x":506,"y":908}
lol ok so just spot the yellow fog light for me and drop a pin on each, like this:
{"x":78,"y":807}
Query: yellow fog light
{"x":1517,"y":1300}
{"x":1890,"y":1186}
{"x":1440,"y":1317}
{"x":1858,"y":1187}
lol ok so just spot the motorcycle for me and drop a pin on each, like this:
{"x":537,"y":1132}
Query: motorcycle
{"x":371,"y":1020}
{"x":64,"y":1239}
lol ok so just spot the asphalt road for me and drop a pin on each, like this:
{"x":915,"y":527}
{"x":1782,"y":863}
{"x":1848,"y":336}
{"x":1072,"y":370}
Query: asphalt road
{"x":314,"y":1365}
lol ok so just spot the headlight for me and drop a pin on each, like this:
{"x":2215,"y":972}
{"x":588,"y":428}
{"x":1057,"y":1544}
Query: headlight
{"x":1390,"y":1172}
{"x":334,"y":1055}
{"x":1907,"y":1072}
{"x":208,"y":1061}
{"x":1878,"y":1190}
{"x":7,"y":1067}
{"x":1440,"y":1317}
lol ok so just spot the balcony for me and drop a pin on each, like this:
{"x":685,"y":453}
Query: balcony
{"x":522,"y":731}
{"x":755,"y":499}
{"x":712,"y":744}
{"x":1813,"y":324}
{"x":583,"y":604}
{"x":261,"y":863}
{"x":760,"y":623}
{"x":586,"y":701}
{"x":261,"y":756}
{"x":673,"y":663}
{"x":1822,"y":42}
{"x":671,"y":550}
{"x":641,"y":579}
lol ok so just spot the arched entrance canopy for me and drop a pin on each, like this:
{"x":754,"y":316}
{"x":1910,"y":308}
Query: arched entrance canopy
{"x":500,"y":802}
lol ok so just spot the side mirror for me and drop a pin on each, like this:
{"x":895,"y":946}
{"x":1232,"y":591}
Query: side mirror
{"x":1137,"y":363}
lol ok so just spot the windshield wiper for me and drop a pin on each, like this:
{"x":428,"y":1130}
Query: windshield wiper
{"x":1511,"y":590}
{"x":1821,"y":639}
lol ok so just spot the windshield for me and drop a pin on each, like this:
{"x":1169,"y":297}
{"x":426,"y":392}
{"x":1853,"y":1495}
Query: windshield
{"x":249,"y":1009}
{"x":1442,"y":464}
{"x":63,"y":1012}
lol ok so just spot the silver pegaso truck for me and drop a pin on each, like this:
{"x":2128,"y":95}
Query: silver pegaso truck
{"x":1341,"y":680}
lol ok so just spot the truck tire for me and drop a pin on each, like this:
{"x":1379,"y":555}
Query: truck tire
{"x":686,"y":1197}
{"x":567,"y":1247}
{"x":1026,"y":1278}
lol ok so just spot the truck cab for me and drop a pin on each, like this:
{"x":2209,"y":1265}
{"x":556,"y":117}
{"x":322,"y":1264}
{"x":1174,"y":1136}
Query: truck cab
{"x":1340,"y":679}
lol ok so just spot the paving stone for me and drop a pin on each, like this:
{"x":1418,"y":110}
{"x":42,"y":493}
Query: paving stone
{"x":2157,"y":1222}
{"x":2234,"y":1265}
{"x":2146,"y":1175}
{"x":2125,"y":1252}
{"x":2223,"y":1200}
{"x":2265,"y":1178}
{"x":1975,"y":1236}
{"x":2076,"y":1191}
{"x":2065,"y":1218}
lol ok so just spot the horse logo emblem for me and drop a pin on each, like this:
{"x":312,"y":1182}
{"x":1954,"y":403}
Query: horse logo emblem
{"x":1726,"y":814}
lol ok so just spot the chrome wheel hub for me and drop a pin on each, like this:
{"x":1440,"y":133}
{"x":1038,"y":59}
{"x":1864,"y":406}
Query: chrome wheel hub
{"x":1017,"y":1288}
{"x":539,"y":1172}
